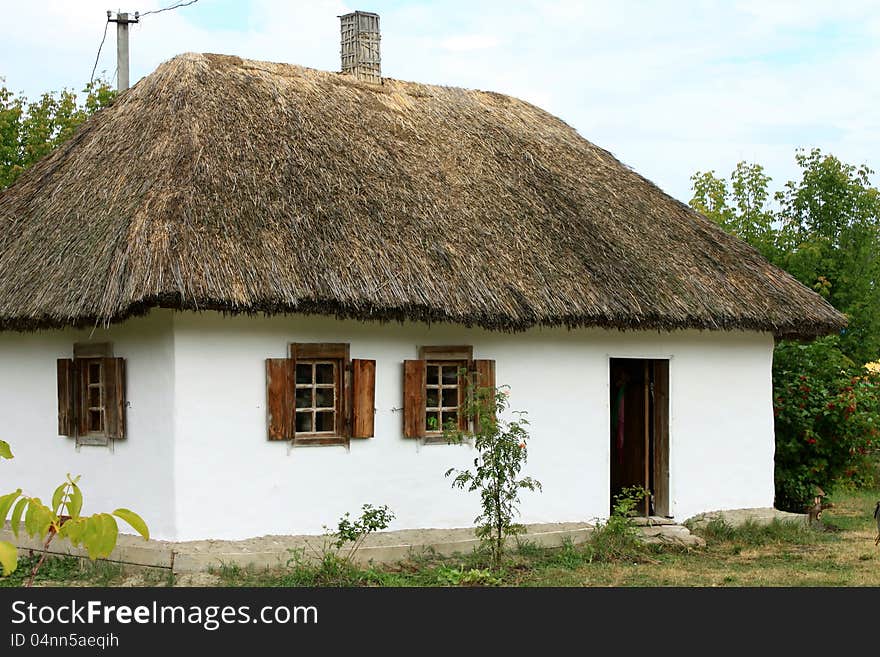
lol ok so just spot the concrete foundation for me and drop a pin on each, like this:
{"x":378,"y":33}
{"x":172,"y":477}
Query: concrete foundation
{"x":380,"y":548}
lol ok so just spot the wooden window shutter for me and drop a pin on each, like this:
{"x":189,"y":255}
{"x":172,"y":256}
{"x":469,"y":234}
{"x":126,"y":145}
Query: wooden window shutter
{"x":465,"y":396}
{"x":485,"y":371}
{"x":484,"y":377}
{"x":363,"y":404}
{"x":280,"y":387}
{"x":66,"y":397}
{"x":114,"y":397}
{"x":81,"y":400}
{"x":414,"y":372}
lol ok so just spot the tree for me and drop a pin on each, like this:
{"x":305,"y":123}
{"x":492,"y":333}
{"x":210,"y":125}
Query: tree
{"x":741,"y":209}
{"x":824,"y":229}
{"x":830,"y":240}
{"x":31,"y":130}
{"x":501,"y":455}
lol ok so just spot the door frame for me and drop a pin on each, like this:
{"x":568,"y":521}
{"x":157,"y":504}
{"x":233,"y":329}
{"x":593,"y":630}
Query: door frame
{"x":652,"y":463}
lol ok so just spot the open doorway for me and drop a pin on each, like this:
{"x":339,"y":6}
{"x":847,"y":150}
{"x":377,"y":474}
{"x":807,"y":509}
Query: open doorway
{"x":640,"y":430}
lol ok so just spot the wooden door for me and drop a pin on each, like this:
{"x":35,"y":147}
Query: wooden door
{"x":660,"y":426}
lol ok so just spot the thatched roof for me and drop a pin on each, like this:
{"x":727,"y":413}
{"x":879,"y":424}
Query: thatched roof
{"x":246,"y":186}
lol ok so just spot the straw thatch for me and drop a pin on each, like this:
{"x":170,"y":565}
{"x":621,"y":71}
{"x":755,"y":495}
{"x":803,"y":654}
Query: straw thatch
{"x":246,"y":186}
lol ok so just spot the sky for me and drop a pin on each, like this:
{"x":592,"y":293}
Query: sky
{"x":670,"y":87}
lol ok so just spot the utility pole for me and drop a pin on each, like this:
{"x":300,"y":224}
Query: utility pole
{"x":122,"y":22}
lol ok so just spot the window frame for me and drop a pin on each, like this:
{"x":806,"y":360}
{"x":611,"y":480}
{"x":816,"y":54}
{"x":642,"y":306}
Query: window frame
{"x":440,"y":386}
{"x":85,"y":355}
{"x":86,"y":399}
{"x":460,"y":356}
{"x":314,"y":353}
{"x":314,"y":387}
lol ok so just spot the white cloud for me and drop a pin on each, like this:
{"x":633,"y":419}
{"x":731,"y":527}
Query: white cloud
{"x":467,"y":42}
{"x":669,"y":87}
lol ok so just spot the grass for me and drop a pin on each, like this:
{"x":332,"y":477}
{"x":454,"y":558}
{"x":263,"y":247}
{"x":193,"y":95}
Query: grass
{"x":65,"y":571}
{"x":840,"y":553}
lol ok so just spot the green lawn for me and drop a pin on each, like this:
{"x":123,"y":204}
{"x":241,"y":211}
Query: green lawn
{"x":842,"y":554}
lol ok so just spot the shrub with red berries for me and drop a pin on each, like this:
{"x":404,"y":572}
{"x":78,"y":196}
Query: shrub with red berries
{"x":827,"y":418}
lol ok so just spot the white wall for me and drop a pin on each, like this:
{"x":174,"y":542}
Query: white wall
{"x":197,"y":464}
{"x":233,"y":483}
{"x":137,"y":472}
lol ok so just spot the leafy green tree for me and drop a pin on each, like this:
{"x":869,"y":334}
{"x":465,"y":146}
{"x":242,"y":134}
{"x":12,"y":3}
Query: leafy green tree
{"x":824,"y":229}
{"x":31,"y":130}
{"x":830,"y":241}
{"x":740,"y":207}
{"x":501,"y":455}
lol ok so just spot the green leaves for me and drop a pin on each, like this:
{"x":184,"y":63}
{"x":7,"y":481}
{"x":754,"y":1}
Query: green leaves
{"x":355,"y":532}
{"x":8,"y":557}
{"x":5,"y":451}
{"x":6,"y":503}
{"x":137,"y":523}
{"x":38,"y":518}
{"x":97,"y":533}
{"x":15,"y":519}
{"x":740,"y":209}
{"x":827,"y":412}
{"x":502,"y":453}
{"x":821,"y":228}
{"x":67,"y":499}
{"x":58,"y":497}
{"x":29,"y":130}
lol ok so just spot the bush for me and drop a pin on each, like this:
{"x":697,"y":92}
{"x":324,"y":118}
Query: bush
{"x":330,"y":570}
{"x":827,"y":414}
{"x":618,"y":539}
{"x":332,"y":563}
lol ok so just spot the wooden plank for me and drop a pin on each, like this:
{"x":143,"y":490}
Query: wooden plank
{"x":445,"y":352}
{"x":484,"y":375}
{"x":93,"y":350}
{"x":465,"y":395}
{"x":280,"y":383}
{"x":414,"y":401}
{"x":319,"y":351}
{"x":363,"y":386}
{"x":66,"y":397}
{"x":345,"y":400}
{"x":485,"y":371}
{"x":114,"y":397}
{"x":82,"y":397}
{"x":304,"y":441}
{"x":647,"y":433}
{"x":661,"y":438}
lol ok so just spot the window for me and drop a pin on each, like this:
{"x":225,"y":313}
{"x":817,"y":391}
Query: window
{"x":442,"y":394}
{"x":91,"y":395}
{"x":319,"y":396}
{"x":94,"y":395}
{"x":436,"y":388}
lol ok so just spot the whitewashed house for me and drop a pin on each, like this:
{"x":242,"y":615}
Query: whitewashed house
{"x":236,"y":300}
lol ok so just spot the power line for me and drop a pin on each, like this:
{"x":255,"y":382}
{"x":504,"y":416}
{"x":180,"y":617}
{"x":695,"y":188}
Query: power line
{"x":98,"y":56}
{"x":178,"y":5}
{"x":146,"y":13}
